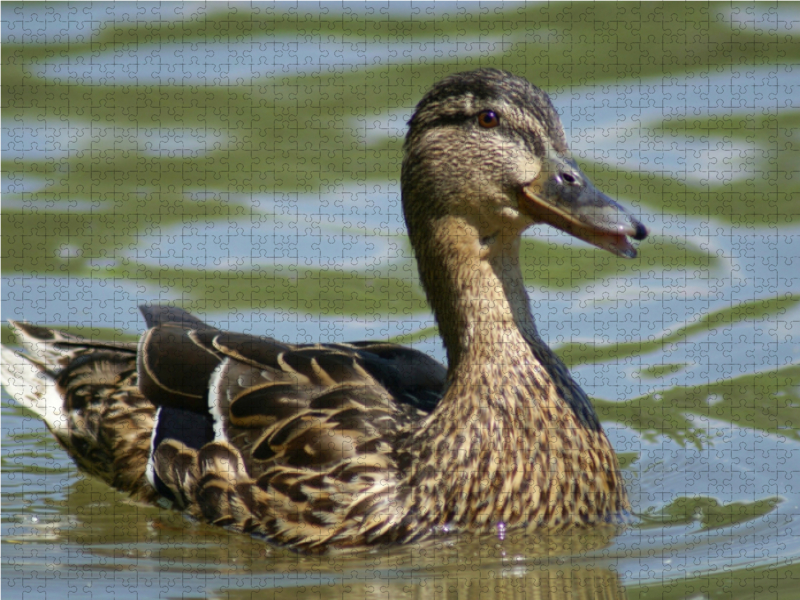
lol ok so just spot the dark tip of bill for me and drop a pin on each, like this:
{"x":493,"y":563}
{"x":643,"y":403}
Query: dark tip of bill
{"x":641,"y":231}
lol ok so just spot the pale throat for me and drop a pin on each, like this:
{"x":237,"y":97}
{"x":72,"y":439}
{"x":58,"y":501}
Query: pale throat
{"x":485,"y":320}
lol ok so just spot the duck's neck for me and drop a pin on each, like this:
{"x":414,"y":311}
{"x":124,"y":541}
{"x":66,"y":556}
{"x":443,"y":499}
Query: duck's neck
{"x":513,"y":433}
{"x":477,"y":293}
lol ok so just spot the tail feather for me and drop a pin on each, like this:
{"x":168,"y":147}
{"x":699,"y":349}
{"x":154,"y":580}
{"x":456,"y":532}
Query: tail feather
{"x":46,"y":346}
{"x":31,"y":378}
{"x":87,"y":394}
{"x":34,"y":387}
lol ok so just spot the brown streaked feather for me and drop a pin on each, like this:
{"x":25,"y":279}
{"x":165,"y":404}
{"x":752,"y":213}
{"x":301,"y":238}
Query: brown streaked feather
{"x":182,"y":385}
{"x":305,"y":425}
{"x":343,"y":445}
{"x":107,"y":421}
{"x":249,"y":349}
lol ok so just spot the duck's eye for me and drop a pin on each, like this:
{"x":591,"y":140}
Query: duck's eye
{"x":488,"y":119}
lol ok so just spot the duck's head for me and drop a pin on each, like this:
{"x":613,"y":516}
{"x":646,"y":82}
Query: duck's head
{"x":488,"y":148}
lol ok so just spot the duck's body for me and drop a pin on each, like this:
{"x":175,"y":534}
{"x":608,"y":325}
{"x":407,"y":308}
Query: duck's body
{"x":337,"y":446}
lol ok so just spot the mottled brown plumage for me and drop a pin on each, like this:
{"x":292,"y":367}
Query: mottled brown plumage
{"x":346,"y":445}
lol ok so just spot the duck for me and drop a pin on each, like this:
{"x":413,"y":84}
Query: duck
{"x":337,"y":446}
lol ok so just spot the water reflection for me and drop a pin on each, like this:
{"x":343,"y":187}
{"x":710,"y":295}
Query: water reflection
{"x":617,"y":124}
{"x":245,"y":63}
{"x":115,"y":195}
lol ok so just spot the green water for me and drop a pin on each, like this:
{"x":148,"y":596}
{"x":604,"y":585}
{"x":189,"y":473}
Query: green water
{"x":243,"y":162}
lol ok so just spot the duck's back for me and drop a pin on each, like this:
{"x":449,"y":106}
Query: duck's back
{"x":292,"y":442}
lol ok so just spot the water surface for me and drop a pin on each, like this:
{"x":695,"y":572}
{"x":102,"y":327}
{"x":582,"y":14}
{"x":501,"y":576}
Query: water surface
{"x":242,"y":161}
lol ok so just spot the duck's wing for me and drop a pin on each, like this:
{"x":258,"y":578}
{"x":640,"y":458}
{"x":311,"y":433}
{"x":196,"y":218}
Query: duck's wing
{"x":293,"y":442}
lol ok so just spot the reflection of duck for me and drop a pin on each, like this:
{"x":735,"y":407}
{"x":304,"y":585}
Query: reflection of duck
{"x":341,"y":445}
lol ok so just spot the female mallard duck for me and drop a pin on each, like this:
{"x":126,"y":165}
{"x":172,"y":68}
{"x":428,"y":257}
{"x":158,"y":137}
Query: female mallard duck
{"x":346,"y":445}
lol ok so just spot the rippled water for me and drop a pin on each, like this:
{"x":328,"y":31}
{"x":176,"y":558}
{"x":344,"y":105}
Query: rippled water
{"x":243,"y":162}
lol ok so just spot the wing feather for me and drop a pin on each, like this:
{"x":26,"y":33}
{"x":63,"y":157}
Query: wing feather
{"x":293,"y":442}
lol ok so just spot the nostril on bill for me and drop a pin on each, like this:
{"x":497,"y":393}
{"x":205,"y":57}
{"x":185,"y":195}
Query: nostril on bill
{"x":568,"y":178}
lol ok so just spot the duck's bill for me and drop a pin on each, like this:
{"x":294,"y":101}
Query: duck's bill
{"x":584,"y":212}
